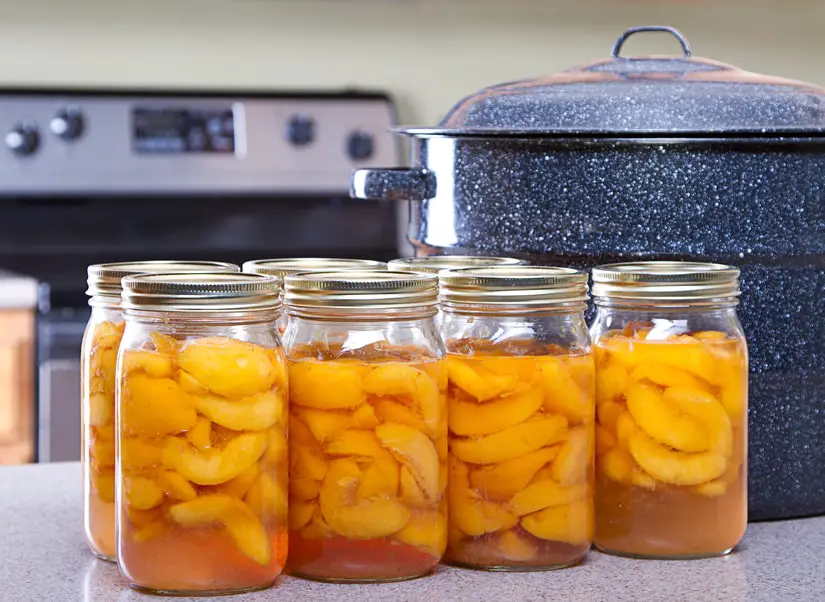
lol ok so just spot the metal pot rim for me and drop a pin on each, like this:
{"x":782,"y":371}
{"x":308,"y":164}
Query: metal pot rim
{"x":492,"y":133}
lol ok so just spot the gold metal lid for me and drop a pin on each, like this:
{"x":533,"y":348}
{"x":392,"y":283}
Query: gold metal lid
{"x":353,"y":289}
{"x":665,"y":281}
{"x":104,"y":278}
{"x":513,"y":285}
{"x":281,"y":268}
{"x":201,"y":292}
{"x":434,"y":264}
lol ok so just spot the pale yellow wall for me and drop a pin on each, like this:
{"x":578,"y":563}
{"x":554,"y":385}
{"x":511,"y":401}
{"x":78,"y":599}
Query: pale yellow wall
{"x":428,"y":53}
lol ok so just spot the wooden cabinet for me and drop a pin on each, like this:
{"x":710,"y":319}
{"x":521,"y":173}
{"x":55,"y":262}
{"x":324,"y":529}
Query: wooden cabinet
{"x":17,"y":409}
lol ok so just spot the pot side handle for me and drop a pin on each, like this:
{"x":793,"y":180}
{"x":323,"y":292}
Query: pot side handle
{"x":393,"y":184}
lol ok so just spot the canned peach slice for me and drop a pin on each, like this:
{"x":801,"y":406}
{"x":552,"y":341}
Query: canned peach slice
{"x":328,"y":424}
{"x":357,"y":443}
{"x":303,"y":489}
{"x":215,"y":466}
{"x":175,"y":486}
{"x":402,"y":380}
{"x":571,"y":465}
{"x":477,"y":381}
{"x":472,"y":419}
{"x":572,"y":524}
{"x":427,"y":531}
{"x":667,"y":376}
{"x":675,"y":467}
{"x":101,"y":410}
{"x":665,"y":421}
{"x":142,"y":493}
{"x":511,"y":442}
{"x":544,"y":494}
{"x":152,"y":363}
{"x":239,"y":521}
{"x":611,"y":382}
{"x":325,"y":385}
{"x":379,"y":479}
{"x":366,"y":519}
{"x":266,"y":497}
{"x":300,"y":513}
{"x":139,"y":453}
{"x":416,"y":451}
{"x":254,"y":413}
{"x":684,"y":353}
{"x":563,"y":395}
{"x":239,"y":486}
{"x":392,"y":411}
{"x":228,"y":367}
{"x":514,"y":547}
{"x":156,"y":406}
{"x":469,"y":512}
{"x":503,"y":480}
{"x":200,"y":435}
{"x":411,"y":493}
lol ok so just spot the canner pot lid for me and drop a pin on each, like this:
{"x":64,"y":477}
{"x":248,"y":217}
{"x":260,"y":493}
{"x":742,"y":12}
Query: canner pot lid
{"x":666,"y":96}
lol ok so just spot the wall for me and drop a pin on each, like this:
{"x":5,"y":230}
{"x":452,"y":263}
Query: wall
{"x":428,"y":53}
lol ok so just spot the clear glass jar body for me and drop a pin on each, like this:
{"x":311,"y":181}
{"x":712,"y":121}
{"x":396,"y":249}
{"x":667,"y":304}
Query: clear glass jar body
{"x":98,"y":358}
{"x":368,"y":447}
{"x":202,"y":468}
{"x":671,"y":432}
{"x":521,"y":403}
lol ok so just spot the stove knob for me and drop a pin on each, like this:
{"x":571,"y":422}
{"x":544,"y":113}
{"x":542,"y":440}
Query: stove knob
{"x":360,"y":146}
{"x":23,"y":139}
{"x":300,"y":130}
{"x":67,"y":123}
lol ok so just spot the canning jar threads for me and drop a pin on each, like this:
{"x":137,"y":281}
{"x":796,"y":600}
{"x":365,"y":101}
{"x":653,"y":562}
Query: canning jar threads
{"x":202,"y":468}
{"x":368,"y":426}
{"x":671,"y":431}
{"x":98,"y":356}
{"x":521,"y":403}
{"x":282,"y":267}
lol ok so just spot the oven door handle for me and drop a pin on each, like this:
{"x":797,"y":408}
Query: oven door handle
{"x":393,"y":184}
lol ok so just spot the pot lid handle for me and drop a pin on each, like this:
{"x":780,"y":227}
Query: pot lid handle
{"x":617,"y":47}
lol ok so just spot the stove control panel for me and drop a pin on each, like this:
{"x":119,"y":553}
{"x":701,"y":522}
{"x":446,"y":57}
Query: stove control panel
{"x":99,"y":142}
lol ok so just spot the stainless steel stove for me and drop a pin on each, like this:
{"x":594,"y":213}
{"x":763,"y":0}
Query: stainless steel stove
{"x":92,"y":176}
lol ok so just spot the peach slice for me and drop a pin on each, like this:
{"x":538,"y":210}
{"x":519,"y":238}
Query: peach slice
{"x":477,"y":381}
{"x":317,"y":528}
{"x":108,"y":334}
{"x":574,"y":459}
{"x":300,"y":513}
{"x":411,"y":493}
{"x":164,"y":343}
{"x":101,"y":410}
{"x":267,"y":499}
{"x":303,"y":489}
{"x":142,"y":493}
{"x":239,"y":486}
{"x":511,"y":442}
{"x":152,"y":363}
{"x":608,"y":413}
{"x":138,"y":453}
{"x":155,"y":406}
{"x":416,"y":451}
{"x":502,"y":481}
{"x":228,"y":367}
{"x":392,"y":411}
{"x":326,"y":424}
{"x":563,"y":395}
{"x":407,"y":382}
{"x":572,"y":524}
{"x":675,"y":467}
{"x":427,"y":531}
{"x":175,"y":486}
{"x":277,"y":448}
{"x":239,"y":521}
{"x":544,"y":494}
{"x":356,"y":442}
{"x":200,"y":435}
{"x":380,"y":479}
{"x":515,"y":548}
{"x":605,"y":440}
{"x":215,"y":466}
{"x":667,"y":376}
{"x":664,"y":421}
{"x":611,"y":382}
{"x":470,"y":513}
{"x":366,"y":519}
{"x":473,"y":419}
{"x":254,"y":413}
{"x":324,"y":385}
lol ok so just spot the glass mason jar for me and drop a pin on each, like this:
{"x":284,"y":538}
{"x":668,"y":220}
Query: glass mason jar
{"x":368,"y":426}
{"x":281,"y":268}
{"x":433,"y":264}
{"x":97,"y":384}
{"x":521,"y":402}
{"x":671,"y":432}
{"x":202,"y":468}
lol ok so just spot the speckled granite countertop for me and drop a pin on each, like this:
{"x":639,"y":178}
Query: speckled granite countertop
{"x":43,"y":558}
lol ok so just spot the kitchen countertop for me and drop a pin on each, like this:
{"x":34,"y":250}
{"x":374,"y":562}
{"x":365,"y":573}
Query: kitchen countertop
{"x":43,"y":558}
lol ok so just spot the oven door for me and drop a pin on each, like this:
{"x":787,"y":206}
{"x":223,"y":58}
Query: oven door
{"x":60,"y":335}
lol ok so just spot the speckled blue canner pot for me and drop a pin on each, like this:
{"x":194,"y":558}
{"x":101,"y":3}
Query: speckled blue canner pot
{"x":751,"y":194}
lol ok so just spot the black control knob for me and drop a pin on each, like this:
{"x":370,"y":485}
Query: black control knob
{"x":67,"y":124}
{"x":23,"y":139}
{"x":360,"y":146}
{"x":300,"y":130}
